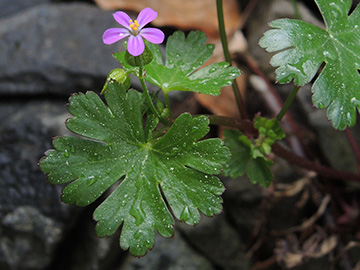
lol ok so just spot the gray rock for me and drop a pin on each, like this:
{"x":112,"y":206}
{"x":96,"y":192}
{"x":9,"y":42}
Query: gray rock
{"x":10,"y":7}
{"x":334,"y":144}
{"x":169,"y":254}
{"x":32,"y":217}
{"x":218,"y":241}
{"x":56,"y":49}
{"x":241,"y":203}
{"x":82,"y":249}
{"x":30,"y":238}
{"x":25,"y":133}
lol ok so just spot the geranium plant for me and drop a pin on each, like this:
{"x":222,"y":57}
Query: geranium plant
{"x":162,"y":168}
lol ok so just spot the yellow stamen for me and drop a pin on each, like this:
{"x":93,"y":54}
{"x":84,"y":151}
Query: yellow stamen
{"x":134,"y":25}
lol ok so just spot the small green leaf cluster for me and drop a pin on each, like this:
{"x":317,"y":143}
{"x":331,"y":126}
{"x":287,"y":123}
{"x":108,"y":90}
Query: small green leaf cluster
{"x":269,"y":132}
{"x":249,"y":157}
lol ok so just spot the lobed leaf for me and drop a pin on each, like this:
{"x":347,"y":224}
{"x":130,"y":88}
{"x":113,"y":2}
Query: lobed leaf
{"x":184,"y":57}
{"x":151,"y":178}
{"x":304,"y":47}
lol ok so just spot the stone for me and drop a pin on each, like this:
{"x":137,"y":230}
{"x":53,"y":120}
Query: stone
{"x":218,"y":241}
{"x":242,"y":200}
{"x":55,"y":49}
{"x":82,"y":249}
{"x":11,"y":7}
{"x":30,"y":238}
{"x":169,"y":254}
{"x":334,"y":144}
{"x":32,"y":217}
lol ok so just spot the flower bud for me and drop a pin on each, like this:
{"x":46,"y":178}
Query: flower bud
{"x":118,"y":75}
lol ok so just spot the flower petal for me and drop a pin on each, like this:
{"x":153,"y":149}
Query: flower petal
{"x":153,"y":35}
{"x":122,"y":18}
{"x":113,"y":35}
{"x":136,"y":45}
{"x":145,"y":16}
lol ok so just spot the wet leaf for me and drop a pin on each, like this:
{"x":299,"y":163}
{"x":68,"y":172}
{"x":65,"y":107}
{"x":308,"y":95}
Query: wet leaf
{"x":304,"y":47}
{"x":182,"y":72}
{"x":245,"y":158}
{"x":154,"y":175}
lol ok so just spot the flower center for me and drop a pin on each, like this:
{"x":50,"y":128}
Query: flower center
{"x":134,"y":25}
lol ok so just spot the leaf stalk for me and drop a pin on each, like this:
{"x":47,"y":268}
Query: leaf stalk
{"x":288,"y":102}
{"x":148,"y":98}
{"x":239,"y":100}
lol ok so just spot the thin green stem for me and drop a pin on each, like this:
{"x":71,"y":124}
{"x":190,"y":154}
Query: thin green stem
{"x":222,"y":32}
{"x":223,"y":37}
{"x":167,"y":102}
{"x":148,"y":98}
{"x":296,"y":9}
{"x":288,"y":102}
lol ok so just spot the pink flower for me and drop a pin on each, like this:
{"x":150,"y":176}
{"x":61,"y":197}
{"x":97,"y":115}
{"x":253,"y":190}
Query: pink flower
{"x":135,"y":31}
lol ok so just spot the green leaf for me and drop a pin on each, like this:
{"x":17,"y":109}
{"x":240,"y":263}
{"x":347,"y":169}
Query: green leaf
{"x":240,"y":153}
{"x":245,"y":158}
{"x":259,"y":171}
{"x":184,"y":57}
{"x":151,"y":179}
{"x":304,"y":47}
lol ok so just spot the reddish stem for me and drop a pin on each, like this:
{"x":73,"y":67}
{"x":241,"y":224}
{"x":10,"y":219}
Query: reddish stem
{"x":354,"y":146}
{"x":247,"y":127}
{"x":311,"y":165}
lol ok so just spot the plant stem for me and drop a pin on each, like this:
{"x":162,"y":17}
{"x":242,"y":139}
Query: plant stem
{"x":247,"y":127}
{"x":243,"y":125}
{"x":354,"y":146}
{"x":223,"y":37}
{"x":296,"y":9}
{"x":148,"y":98}
{"x":288,"y":102}
{"x":278,"y":103}
{"x":247,"y":12}
{"x":292,"y":158}
{"x":167,"y":102}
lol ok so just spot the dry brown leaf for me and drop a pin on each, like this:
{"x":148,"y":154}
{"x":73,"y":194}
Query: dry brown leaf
{"x":290,"y":253}
{"x":225,"y":104}
{"x":290,"y":190}
{"x":184,"y":14}
{"x":292,"y":259}
{"x":320,"y":248}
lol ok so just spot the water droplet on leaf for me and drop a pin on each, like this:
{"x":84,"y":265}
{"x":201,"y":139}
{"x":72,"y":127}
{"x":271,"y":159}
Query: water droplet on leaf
{"x":91,"y":180}
{"x":212,"y":70}
{"x":185,"y":214}
{"x":138,"y":234}
{"x":66,"y":153}
{"x":137,"y":214}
